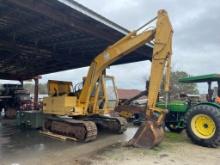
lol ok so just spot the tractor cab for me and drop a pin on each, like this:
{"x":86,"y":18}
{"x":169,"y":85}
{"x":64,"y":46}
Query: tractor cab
{"x":213,"y":93}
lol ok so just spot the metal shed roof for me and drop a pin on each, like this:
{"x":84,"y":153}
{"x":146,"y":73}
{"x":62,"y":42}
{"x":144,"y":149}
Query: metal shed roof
{"x":200,"y":79}
{"x":44,"y":36}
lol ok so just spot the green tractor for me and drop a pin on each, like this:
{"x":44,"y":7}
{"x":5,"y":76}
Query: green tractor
{"x":201,"y":119}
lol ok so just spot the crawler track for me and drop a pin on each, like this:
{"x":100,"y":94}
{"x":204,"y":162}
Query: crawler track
{"x":84,"y":131}
{"x":114,"y":124}
{"x":123,"y":124}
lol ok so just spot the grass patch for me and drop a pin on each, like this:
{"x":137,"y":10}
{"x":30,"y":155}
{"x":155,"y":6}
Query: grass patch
{"x":122,"y":151}
{"x":174,"y":137}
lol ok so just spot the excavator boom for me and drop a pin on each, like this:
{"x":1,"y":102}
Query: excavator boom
{"x":124,"y":46}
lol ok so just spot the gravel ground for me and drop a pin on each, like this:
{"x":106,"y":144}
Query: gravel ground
{"x":176,"y":149}
{"x":18,"y":147}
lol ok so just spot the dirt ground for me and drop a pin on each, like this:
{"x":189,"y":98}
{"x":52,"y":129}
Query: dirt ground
{"x":19,"y":147}
{"x":176,"y":149}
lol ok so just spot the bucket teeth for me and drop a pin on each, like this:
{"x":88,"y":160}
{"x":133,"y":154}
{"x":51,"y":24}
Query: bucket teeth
{"x":148,"y":135}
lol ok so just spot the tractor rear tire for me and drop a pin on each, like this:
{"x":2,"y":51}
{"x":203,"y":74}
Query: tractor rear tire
{"x":203,"y":125}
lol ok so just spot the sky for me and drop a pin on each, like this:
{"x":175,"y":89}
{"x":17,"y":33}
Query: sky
{"x":195,"y":43}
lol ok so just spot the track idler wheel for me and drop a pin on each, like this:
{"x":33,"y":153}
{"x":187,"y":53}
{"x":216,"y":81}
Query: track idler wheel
{"x":148,"y":135}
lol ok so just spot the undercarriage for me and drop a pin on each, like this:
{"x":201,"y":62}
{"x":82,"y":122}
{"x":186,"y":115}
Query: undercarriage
{"x":113,"y":124}
{"x":84,"y":129}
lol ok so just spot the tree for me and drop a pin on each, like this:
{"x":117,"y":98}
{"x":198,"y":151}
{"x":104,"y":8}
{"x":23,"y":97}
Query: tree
{"x":176,"y":87}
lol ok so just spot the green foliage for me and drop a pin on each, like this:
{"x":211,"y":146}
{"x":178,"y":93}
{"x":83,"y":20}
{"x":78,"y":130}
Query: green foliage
{"x":176,"y":87}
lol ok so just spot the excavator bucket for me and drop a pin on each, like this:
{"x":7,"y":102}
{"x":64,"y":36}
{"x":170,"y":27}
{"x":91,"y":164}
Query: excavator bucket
{"x":148,"y":135}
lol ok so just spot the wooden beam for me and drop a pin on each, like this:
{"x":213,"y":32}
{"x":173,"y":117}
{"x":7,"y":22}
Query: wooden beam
{"x":68,"y":39}
{"x":10,"y":46}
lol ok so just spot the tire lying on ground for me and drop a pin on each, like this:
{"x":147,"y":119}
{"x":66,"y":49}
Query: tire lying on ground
{"x":203,"y":125}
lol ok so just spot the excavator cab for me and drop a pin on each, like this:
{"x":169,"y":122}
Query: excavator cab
{"x":104,"y":97}
{"x":111,"y":93}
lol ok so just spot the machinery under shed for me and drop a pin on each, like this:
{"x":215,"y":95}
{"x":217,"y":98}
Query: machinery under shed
{"x":40,"y":36}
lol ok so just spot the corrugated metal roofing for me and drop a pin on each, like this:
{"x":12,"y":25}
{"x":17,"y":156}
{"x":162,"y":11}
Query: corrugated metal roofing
{"x":44,"y":36}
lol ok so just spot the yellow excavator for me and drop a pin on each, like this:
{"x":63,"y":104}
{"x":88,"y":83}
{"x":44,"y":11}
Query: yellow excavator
{"x":79,"y":111}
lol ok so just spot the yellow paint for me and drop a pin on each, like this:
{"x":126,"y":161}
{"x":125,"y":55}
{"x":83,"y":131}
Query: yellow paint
{"x":57,"y":88}
{"x":126,"y":114}
{"x":88,"y":102}
{"x":60,"y":105}
{"x":203,"y":126}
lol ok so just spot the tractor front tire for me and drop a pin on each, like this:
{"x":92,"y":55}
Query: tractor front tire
{"x":203,"y":125}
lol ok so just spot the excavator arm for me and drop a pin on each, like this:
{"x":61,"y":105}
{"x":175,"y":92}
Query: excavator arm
{"x":151,"y":133}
